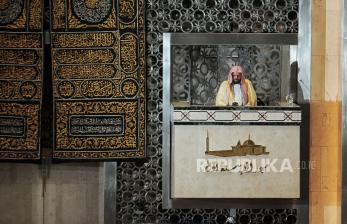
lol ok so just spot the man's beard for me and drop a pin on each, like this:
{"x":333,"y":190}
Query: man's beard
{"x":236,"y":81}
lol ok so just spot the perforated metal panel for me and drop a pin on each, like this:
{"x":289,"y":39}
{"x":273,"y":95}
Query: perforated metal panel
{"x":139,"y":184}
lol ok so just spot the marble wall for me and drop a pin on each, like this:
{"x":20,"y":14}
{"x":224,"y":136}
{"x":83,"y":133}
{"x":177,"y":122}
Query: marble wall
{"x":64,"y":197}
{"x":196,"y":174}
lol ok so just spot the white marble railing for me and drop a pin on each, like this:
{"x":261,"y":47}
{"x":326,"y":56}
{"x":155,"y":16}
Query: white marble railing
{"x":237,"y":116}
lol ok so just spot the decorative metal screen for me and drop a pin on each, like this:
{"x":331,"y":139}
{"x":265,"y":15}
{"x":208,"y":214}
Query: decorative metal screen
{"x":199,"y":70}
{"x":96,"y":76}
{"x":139,"y":184}
{"x":21,"y":66}
{"x":98,"y":79}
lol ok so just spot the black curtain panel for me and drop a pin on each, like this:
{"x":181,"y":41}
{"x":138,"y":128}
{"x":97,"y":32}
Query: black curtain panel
{"x":98,"y":74}
{"x":21,"y":75}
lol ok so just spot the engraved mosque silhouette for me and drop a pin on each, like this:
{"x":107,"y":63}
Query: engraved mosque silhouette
{"x":247,"y":148}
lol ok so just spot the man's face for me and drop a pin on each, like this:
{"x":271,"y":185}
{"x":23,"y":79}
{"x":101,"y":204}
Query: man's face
{"x":236,"y":77}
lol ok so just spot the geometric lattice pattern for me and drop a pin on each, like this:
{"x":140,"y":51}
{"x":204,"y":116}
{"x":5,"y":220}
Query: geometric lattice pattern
{"x":275,"y":216}
{"x":139,"y":184}
{"x":198,"y":71}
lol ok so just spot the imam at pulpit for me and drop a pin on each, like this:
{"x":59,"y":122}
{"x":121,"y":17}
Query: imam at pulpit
{"x":261,"y":127}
